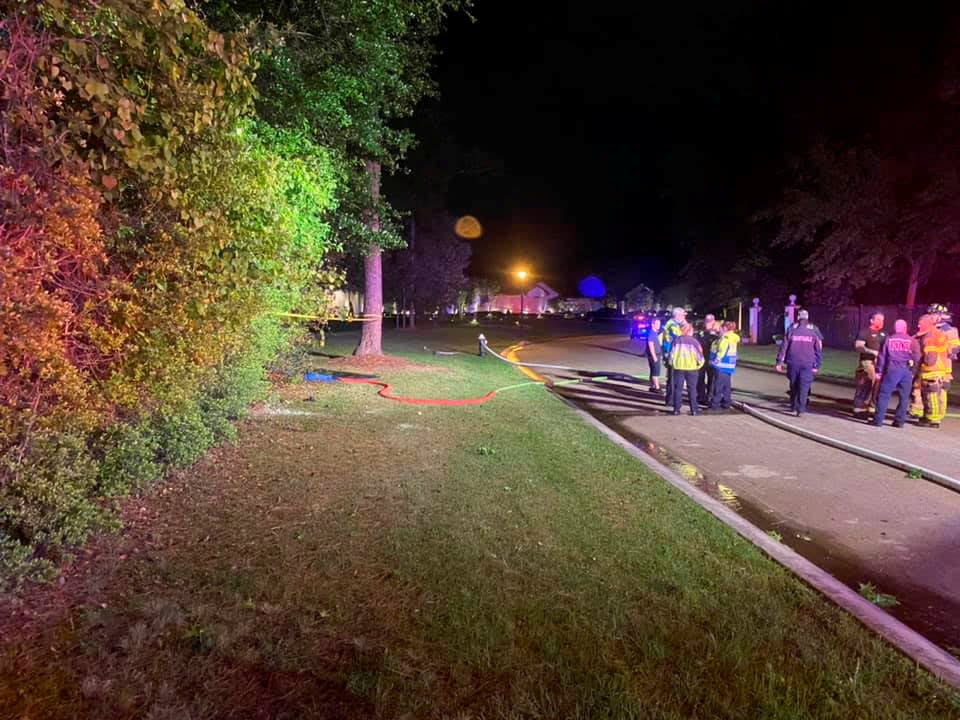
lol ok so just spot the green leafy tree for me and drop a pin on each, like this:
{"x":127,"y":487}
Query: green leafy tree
{"x":429,"y":272}
{"x":346,"y":70}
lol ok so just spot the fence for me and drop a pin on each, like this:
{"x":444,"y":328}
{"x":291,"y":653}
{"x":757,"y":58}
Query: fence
{"x":839,"y":325}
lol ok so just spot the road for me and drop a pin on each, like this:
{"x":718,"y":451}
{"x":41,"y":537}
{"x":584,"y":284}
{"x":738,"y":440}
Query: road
{"x":862,"y":521}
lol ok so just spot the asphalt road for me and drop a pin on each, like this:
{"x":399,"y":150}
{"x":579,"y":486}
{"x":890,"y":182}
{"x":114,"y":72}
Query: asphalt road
{"x":862,"y":521}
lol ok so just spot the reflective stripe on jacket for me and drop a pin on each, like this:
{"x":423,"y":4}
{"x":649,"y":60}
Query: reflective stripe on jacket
{"x":935,"y":364}
{"x":671,"y":331}
{"x":686,"y":354}
{"x":724,"y":354}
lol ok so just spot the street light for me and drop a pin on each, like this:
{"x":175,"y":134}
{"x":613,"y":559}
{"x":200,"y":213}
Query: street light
{"x":521,"y":276}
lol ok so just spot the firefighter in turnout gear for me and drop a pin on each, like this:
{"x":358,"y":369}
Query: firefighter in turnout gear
{"x":942,"y":320}
{"x":936,"y":370}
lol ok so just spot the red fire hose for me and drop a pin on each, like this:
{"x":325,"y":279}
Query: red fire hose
{"x":386,"y":392}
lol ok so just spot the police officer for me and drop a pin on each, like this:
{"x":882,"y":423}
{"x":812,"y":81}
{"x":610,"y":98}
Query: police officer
{"x":671,"y":331}
{"x":802,"y":351}
{"x":896,"y":365}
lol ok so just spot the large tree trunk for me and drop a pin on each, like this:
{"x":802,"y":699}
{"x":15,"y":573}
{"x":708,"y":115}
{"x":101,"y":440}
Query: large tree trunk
{"x":913,"y":283}
{"x":370,"y":338}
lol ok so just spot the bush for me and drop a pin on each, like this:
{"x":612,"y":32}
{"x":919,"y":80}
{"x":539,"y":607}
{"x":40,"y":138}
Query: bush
{"x":181,"y":434}
{"x":129,"y":459}
{"x":17,"y":563}
{"x":47,"y":500}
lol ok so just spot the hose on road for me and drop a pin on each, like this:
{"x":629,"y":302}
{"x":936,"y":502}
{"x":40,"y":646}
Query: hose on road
{"x":882,"y":458}
{"x":932,"y":475}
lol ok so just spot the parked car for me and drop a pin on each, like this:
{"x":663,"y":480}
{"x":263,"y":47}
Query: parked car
{"x":639,"y":324}
{"x":605,"y":315}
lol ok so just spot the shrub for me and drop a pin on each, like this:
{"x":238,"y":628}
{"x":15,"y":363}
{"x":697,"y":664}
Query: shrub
{"x":128,"y":459}
{"x":181,"y":434}
{"x":47,"y":499}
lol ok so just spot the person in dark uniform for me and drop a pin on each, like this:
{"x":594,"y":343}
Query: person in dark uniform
{"x":896,"y":364}
{"x":707,"y":336}
{"x":802,"y":352}
{"x":869,"y":342}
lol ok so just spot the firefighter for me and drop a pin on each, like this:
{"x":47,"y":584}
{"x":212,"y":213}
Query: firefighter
{"x":869,"y":342}
{"x":942,"y":319}
{"x":802,"y":351}
{"x":936,"y":371}
{"x":671,"y":331}
{"x":896,"y":366}
{"x":686,"y":359}
{"x":707,"y":336}
{"x":723,"y":358}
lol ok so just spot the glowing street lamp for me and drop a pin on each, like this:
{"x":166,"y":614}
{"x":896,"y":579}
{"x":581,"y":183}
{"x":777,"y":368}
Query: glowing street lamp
{"x":521,"y":276}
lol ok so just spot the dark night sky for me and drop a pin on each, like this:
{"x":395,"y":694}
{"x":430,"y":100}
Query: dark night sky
{"x":628,"y":129}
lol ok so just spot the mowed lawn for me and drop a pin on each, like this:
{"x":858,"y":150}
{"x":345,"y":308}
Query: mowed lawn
{"x":836,"y":363}
{"x":354,"y":557}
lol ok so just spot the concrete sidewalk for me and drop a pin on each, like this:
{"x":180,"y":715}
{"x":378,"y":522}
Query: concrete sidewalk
{"x":861,"y":521}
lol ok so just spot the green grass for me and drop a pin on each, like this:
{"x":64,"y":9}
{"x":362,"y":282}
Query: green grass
{"x":836,"y":363}
{"x":375,"y":559}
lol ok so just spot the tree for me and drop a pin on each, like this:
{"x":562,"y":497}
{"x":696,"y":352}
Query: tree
{"x":886,"y":206}
{"x":641,"y":298}
{"x":346,"y":70}
{"x":430,"y":271}
{"x":867,"y":214}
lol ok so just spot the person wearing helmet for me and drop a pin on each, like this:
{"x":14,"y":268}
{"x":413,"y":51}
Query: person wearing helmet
{"x":936,"y":370}
{"x":943,"y":320}
{"x":801,"y":352}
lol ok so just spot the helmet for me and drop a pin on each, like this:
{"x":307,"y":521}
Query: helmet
{"x":937,"y":309}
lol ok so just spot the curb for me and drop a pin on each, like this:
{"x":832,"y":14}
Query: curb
{"x":938,"y":662}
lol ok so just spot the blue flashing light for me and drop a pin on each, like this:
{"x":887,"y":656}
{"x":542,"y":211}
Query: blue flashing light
{"x":592,"y":287}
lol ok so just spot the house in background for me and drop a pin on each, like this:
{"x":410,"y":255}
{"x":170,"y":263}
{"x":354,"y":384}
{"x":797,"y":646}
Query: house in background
{"x":578,"y":305}
{"x":535,"y":301}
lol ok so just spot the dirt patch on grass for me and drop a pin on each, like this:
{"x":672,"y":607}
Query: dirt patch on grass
{"x":377,"y":363}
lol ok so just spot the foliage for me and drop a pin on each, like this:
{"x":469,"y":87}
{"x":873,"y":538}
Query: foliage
{"x":430,"y":271}
{"x":151,"y":235}
{"x":884,"y":207}
{"x":641,"y":297}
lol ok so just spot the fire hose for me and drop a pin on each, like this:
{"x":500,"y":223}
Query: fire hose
{"x":882,"y":458}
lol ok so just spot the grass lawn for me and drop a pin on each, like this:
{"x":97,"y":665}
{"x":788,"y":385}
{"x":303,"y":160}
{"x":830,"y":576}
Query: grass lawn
{"x":353,"y":557}
{"x":836,"y":363}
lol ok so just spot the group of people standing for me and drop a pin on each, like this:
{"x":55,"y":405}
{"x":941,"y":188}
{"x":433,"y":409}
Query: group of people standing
{"x":918,"y":368}
{"x":703,"y":362}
